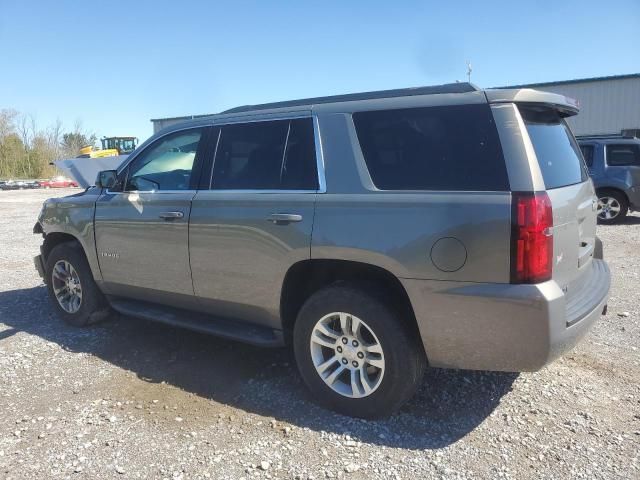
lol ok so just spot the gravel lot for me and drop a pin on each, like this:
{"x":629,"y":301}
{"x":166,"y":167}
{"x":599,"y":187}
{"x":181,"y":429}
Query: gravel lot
{"x":131,"y":399}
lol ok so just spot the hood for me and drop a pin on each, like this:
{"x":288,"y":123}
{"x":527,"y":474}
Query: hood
{"x":85,"y":170}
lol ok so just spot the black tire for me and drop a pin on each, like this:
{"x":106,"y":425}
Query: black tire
{"x":622,"y":201}
{"x":404,"y":356}
{"x":94,"y":306}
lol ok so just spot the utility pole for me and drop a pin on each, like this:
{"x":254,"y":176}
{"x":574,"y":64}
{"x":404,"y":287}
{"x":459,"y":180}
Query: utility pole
{"x":469,"y":71}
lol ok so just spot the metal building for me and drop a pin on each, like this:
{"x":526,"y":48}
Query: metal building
{"x":608,"y":105}
{"x":160,"y":123}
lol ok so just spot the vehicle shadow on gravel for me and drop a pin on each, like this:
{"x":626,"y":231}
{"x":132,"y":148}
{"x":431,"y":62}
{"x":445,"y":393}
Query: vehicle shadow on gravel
{"x":449,"y":405}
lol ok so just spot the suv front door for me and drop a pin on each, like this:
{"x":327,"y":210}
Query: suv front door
{"x":141,"y":230}
{"x":254,"y":221}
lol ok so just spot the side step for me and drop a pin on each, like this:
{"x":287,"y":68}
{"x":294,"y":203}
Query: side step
{"x":200,"y":322}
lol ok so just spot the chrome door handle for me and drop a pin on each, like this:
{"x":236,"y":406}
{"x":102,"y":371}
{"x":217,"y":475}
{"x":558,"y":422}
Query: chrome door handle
{"x":284,"y":218}
{"x":171,"y":215}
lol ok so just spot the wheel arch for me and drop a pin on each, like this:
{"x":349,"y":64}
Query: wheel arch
{"x":308,"y":276}
{"x":612,"y":189}
{"x":53,"y":239}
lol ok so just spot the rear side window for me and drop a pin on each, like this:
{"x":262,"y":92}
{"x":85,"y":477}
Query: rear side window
{"x":623,"y":155}
{"x":435,"y":148}
{"x":587,"y":153}
{"x":558,"y":154}
{"x":277,"y":155}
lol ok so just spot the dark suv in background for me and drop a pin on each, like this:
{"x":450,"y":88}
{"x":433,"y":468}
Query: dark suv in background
{"x":614,"y":166}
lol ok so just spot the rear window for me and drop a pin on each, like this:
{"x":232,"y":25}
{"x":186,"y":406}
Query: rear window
{"x":558,"y":154}
{"x":434,"y":148}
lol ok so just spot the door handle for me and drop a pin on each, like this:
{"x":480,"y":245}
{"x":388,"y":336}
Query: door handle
{"x":284,"y":218}
{"x":171,"y":215}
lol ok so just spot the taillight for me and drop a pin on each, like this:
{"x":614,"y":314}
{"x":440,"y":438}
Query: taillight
{"x":531,"y":238}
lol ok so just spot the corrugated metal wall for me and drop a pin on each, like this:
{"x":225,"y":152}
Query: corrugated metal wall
{"x":606,"y":106}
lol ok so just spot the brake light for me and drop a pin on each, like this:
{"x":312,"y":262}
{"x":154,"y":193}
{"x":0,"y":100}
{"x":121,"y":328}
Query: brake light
{"x":531,"y":238}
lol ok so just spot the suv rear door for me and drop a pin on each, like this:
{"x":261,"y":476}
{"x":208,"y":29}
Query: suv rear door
{"x":569,"y":188}
{"x":253,"y":219}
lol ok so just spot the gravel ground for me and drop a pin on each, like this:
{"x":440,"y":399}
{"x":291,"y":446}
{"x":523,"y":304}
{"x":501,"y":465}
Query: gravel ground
{"x":131,"y":399}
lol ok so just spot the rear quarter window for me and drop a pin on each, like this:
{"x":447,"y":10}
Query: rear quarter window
{"x":558,"y":154}
{"x":435,"y":148}
{"x":623,"y":155}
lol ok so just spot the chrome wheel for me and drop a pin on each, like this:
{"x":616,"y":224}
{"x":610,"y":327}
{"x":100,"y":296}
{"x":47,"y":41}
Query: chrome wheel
{"x":347,"y":355}
{"x":608,"y":208}
{"x":66,"y":286}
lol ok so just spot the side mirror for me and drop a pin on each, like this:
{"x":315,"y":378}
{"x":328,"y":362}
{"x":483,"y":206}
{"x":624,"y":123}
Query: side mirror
{"x":107,"y":178}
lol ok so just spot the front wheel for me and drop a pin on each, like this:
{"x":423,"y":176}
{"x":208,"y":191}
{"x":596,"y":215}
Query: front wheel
{"x":355,"y":353}
{"x":71,"y":287}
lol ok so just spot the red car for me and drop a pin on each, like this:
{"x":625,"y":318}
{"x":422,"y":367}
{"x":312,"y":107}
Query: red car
{"x":58,"y":182}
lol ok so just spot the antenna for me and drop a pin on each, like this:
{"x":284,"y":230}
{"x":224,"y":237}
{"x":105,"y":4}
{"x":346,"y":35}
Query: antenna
{"x":469,"y":70}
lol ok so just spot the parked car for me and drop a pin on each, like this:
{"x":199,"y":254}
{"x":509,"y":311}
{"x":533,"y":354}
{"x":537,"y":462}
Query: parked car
{"x":58,"y":182}
{"x":12,"y":185}
{"x":376,"y":233}
{"x":614,"y":166}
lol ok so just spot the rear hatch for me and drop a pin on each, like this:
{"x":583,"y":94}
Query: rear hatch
{"x":570,"y":190}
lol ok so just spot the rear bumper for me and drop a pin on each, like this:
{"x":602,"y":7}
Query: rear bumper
{"x":505,"y":327}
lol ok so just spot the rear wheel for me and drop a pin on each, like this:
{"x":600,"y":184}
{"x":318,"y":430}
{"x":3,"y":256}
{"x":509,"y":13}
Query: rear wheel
{"x":612,"y":207}
{"x":71,"y":287}
{"x":355,"y":353}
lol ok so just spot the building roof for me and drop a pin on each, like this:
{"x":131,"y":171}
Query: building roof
{"x":577,"y":80}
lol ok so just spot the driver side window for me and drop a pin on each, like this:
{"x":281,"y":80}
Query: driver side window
{"x":165,"y":165}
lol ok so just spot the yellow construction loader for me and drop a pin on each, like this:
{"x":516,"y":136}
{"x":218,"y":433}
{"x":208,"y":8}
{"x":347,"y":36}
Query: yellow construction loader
{"x":111,"y":147}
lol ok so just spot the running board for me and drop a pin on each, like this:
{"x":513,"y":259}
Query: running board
{"x":200,"y":322}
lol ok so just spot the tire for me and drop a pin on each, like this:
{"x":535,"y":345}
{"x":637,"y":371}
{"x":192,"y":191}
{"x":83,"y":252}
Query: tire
{"x":612,"y":207}
{"x":93,"y":305}
{"x":403,"y":362}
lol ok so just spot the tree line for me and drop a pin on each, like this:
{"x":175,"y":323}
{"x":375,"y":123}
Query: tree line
{"x":26,"y":150}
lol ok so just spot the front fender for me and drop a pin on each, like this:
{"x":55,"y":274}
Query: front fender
{"x":74,"y":216}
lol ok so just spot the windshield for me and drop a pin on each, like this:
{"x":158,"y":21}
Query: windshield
{"x":558,"y":154}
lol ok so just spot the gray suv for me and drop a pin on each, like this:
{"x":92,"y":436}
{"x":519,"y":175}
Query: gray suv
{"x":614,"y":166}
{"x":376,"y":233}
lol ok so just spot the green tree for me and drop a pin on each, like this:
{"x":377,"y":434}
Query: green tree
{"x":72,"y":142}
{"x":12,"y":155}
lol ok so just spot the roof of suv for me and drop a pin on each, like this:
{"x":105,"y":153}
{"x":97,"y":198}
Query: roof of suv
{"x":460,"y":87}
{"x":460,"y":92}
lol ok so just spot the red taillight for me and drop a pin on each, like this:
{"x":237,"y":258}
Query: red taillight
{"x":531,"y":238}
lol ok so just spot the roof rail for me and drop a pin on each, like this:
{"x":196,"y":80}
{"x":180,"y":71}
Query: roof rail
{"x":459,"y":87}
{"x":604,"y":135}
{"x":626,"y":134}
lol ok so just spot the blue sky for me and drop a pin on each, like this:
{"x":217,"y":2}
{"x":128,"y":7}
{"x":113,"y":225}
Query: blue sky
{"x":114,"y":65}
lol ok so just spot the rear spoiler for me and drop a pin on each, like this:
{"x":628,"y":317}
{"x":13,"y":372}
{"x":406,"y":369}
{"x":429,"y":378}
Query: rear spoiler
{"x":566,"y":106}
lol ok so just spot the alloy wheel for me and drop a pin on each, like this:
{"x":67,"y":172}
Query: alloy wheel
{"x":608,"y":208}
{"x":66,"y":286}
{"x":347,"y":355}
